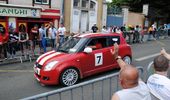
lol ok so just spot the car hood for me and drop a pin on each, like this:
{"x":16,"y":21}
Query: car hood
{"x":52,"y":56}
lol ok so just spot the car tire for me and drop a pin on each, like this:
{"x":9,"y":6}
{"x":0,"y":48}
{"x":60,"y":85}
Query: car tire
{"x":69,"y":77}
{"x":127,"y":59}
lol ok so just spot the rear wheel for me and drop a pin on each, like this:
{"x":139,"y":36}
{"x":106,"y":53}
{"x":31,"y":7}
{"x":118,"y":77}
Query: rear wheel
{"x":69,"y":77}
{"x":127,"y":60}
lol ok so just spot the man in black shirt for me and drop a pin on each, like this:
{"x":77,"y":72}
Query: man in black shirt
{"x":94,"y":28}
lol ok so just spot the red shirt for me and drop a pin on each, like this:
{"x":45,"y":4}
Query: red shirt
{"x":4,"y":38}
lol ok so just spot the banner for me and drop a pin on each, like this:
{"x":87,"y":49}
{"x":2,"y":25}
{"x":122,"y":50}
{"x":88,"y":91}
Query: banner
{"x":19,"y":12}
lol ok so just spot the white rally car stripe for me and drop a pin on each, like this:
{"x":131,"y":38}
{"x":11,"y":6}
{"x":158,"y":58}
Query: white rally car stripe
{"x":86,"y":34}
{"x":48,"y":57}
{"x":45,"y":55}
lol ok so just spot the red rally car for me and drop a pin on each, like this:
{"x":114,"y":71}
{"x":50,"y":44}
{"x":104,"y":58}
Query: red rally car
{"x":80,"y":56}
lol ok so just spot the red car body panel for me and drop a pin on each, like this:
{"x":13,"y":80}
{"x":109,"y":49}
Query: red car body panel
{"x":83,"y":62}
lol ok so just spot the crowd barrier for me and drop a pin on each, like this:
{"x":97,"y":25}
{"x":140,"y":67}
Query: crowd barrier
{"x":97,"y":89}
{"x":27,"y":56}
{"x":150,"y":70}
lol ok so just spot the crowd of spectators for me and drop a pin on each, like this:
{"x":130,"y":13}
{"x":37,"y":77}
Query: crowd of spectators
{"x":49,"y":36}
{"x":135,"y":34}
{"x":157,"y":86}
{"x":26,"y":42}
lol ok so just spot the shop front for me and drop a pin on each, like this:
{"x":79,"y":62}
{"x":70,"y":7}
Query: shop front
{"x":12,"y":16}
{"x":3,"y":22}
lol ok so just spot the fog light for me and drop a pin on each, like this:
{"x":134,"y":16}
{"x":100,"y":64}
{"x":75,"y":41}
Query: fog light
{"x":45,"y":78}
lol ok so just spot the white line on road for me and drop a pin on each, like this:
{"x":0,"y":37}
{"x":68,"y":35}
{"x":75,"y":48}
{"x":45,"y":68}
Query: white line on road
{"x":147,"y":57}
{"x":16,"y":71}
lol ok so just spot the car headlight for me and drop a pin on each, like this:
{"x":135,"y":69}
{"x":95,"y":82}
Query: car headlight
{"x":50,"y":65}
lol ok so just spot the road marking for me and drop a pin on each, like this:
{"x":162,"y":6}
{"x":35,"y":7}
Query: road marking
{"x":147,"y":57}
{"x":17,"y":71}
{"x":161,"y":43}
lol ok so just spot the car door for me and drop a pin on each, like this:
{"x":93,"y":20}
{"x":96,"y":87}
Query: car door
{"x":111,"y":41}
{"x":96,"y":60}
{"x":108,"y":61}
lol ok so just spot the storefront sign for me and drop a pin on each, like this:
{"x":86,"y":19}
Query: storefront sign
{"x":19,"y":12}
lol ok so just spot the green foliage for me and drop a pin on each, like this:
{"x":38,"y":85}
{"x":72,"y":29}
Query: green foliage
{"x":122,"y":2}
{"x":131,"y":3}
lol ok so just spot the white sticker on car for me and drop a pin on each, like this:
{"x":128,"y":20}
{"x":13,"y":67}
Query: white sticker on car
{"x":98,"y":59}
{"x":37,"y":70}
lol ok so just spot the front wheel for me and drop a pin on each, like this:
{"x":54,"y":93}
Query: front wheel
{"x":69,"y":77}
{"x":127,"y":60}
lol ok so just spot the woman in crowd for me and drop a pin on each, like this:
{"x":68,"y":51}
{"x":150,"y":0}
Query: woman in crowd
{"x":33,"y":36}
{"x":23,"y":39}
{"x":13,"y":39}
{"x":4,"y":36}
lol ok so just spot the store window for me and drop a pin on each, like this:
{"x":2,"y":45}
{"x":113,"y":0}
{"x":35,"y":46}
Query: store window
{"x":85,"y":3}
{"x":76,"y":3}
{"x":42,"y":1}
{"x":92,"y":5}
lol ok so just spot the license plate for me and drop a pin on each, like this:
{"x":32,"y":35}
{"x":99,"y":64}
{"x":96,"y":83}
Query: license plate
{"x":37,"y":70}
{"x":36,"y":78}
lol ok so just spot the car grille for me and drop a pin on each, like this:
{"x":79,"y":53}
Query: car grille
{"x":38,"y":65}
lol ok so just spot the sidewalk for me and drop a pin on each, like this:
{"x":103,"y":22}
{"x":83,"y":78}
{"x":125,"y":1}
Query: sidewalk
{"x":21,"y":59}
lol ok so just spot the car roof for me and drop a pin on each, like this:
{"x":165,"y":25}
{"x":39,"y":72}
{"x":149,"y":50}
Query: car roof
{"x":91,"y":35}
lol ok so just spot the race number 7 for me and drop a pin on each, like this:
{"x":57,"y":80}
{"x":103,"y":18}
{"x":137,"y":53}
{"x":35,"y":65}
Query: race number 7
{"x":98,"y":59}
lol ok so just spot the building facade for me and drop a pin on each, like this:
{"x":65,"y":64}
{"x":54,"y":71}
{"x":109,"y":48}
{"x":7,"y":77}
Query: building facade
{"x":135,"y":19}
{"x":81,"y":15}
{"x":14,"y":13}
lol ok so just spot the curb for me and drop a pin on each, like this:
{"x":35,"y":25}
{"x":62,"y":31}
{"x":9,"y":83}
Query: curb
{"x":16,"y":60}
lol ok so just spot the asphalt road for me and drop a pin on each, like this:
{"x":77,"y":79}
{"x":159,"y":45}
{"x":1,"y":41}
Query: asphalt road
{"x":17,"y":80}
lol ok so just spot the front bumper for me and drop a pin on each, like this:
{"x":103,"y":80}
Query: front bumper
{"x":46,"y":77}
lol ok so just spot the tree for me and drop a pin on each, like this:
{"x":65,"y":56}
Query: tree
{"x":158,"y":9}
{"x":130,"y":3}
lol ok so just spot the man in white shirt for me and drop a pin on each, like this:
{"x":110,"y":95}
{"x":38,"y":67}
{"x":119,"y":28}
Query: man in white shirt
{"x":42,"y":37}
{"x":61,"y":33}
{"x":158,"y":83}
{"x":52,"y":35}
{"x":133,"y":87}
{"x":104,"y":29}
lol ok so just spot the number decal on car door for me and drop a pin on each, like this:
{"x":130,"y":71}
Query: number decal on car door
{"x":98,"y":59}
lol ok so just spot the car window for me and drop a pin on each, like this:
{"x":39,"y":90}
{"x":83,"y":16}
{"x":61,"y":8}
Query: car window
{"x":114,"y":39}
{"x":97,"y":43}
{"x":73,"y":43}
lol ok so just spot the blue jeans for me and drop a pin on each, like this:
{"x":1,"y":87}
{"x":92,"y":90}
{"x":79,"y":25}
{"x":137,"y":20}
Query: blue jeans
{"x":149,"y":36}
{"x":158,"y":34}
{"x":61,"y":40}
{"x":53,"y":43}
{"x":43,"y":44}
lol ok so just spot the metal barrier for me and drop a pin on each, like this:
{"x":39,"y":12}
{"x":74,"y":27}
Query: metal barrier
{"x":98,"y":89}
{"x":150,"y":70}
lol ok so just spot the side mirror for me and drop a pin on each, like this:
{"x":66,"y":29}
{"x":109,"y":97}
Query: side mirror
{"x":88,"y":50}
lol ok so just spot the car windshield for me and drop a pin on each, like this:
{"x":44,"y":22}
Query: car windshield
{"x":71,"y":45}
